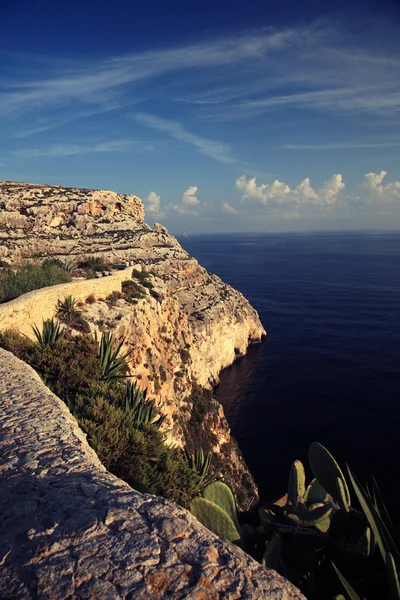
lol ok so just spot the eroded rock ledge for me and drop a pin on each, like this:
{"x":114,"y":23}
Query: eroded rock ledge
{"x":69,"y":529}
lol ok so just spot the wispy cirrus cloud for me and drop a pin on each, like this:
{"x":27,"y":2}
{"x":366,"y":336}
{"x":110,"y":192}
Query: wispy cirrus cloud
{"x":341,"y":146}
{"x":219,"y":151}
{"x":101,"y":82}
{"x":63,"y":150}
{"x":47,"y":124}
{"x":332,"y":67}
{"x":322,"y":66}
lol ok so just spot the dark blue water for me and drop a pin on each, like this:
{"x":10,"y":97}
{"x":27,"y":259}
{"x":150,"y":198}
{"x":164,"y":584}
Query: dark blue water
{"x":329,"y":369}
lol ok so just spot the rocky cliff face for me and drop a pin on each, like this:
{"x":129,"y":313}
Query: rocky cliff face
{"x":41,"y":220}
{"x":183,"y":334}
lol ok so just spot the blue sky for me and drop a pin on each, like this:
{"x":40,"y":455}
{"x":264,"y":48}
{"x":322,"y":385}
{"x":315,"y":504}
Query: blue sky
{"x":221,"y":116}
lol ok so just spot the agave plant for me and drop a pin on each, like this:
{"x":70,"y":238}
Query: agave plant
{"x":113,"y":365}
{"x":385,"y":534}
{"x":66,"y":309}
{"x":50,"y":334}
{"x":67,"y":266}
{"x":142,"y":410}
{"x":200,"y":462}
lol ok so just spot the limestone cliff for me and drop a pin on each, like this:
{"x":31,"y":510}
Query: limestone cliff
{"x":183,"y":333}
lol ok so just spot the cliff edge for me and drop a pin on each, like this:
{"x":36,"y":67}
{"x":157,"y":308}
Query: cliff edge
{"x":69,"y":529}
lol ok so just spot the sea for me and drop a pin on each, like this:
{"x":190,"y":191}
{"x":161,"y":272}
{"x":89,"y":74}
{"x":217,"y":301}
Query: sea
{"x":329,"y":369}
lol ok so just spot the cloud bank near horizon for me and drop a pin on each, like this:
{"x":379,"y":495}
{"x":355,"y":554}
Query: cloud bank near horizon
{"x":278,"y":199}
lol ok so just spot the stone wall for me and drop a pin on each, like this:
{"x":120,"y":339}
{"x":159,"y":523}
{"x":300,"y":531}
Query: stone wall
{"x":33,"y":307}
{"x":69,"y":529}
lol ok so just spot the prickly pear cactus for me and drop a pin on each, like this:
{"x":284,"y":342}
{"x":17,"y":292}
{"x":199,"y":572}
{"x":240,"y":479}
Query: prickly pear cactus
{"x":219,"y":493}
{"x":297,"y":485}
{"x":214,"y":518}
{"x":328,"y":472}
{"x":315,"y":493}
{"x":308,"y":517}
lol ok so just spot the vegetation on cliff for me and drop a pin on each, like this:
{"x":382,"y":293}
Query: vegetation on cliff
{"x":30,"y":277}
{"x":122,"y":425}
{"x":312,"y":535}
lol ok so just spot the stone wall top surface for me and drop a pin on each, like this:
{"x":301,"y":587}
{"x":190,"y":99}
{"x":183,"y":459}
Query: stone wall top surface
{"x":31,"y":308}
{"x":69,"y":529}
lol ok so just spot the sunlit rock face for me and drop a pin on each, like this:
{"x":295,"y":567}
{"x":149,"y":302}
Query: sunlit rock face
{"x":185,"y":330}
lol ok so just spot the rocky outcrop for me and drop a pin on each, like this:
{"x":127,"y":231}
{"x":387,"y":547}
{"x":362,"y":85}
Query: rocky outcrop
{"x":69,"y":529}
{"x":42,"y":220}
{"x":183,"y":333}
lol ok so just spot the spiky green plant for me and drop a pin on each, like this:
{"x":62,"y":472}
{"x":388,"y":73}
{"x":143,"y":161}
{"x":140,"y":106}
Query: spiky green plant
{"x":66,"y":309}
{"x":67,"y":266}
{"x":200,"y":462}
{"x":50,"y":334}
{"x":113,"y":363}
{"x":385,"y":534}
{"x":142,"y":410}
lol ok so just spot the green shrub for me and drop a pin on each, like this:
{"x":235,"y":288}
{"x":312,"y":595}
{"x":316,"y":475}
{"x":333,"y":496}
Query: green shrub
{"x":143,"y":278}
{"x":132,"y":291}
{"x":203,"y":408}
{"x":95,"y":264}
{"x":139,"y":456}
{"x":57,"y":262}
{"x":140,"y":275}
{"x":20,"y":345}
{"x":71,"y":367}
{"x":134,"y":451}
{"x":113,"y":298}
{"x":30,"y":277}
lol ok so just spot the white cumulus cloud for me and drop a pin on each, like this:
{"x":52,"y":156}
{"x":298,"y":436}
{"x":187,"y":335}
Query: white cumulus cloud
{"x":373,"y":183}
{"x":153,"y":203}
{"x":229,"y":208}
{"x":332,"y":189}
{"x":189,"y":196}
{"x":280,"y":194}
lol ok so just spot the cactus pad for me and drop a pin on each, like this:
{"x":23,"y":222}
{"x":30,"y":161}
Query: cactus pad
{"x":219,"y":493}
{"x":327,"y":471}
{"x":214,"y":518}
